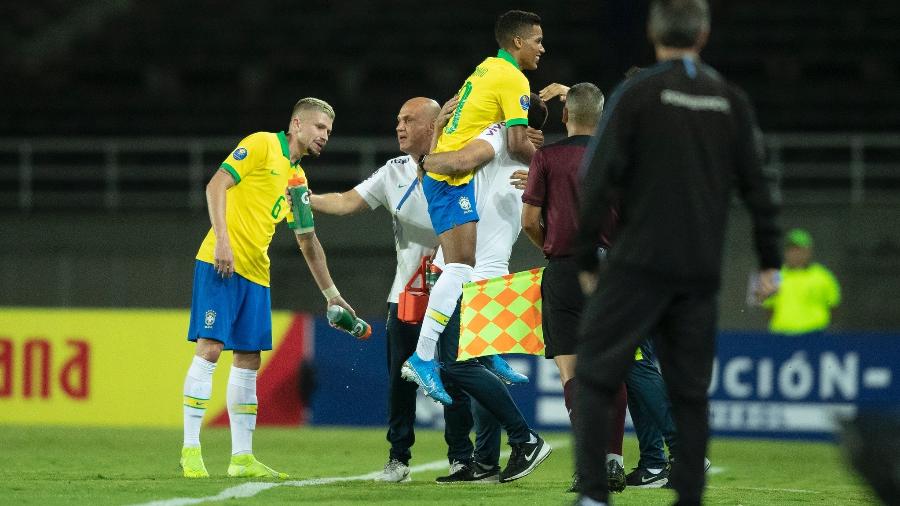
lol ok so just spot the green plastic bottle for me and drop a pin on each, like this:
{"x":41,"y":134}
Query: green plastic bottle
{"x":300,"y":208}
{"x":342,"y":319}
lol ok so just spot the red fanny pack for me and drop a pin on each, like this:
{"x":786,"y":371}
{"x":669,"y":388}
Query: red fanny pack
{"x":414,"y":300}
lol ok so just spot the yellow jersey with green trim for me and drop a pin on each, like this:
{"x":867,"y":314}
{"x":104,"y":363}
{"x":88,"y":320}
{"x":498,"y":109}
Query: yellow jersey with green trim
{"x":261,"y":166}
{"x":496,"y":91}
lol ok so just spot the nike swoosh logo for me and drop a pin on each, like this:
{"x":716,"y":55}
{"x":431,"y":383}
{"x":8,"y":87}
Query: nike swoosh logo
{"x":645,"y":479}
{"x":479,"y":475}
{"x":402,"y":185}
{"x":273,"y":173}
{"x":528,"y":457}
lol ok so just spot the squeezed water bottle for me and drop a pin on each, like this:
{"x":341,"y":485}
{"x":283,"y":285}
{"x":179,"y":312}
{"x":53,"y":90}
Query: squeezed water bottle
{"x":342,"y":319}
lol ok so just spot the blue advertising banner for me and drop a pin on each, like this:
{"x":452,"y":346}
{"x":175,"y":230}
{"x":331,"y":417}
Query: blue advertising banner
{"x":780,"y":386}
{"x":763,"y":385}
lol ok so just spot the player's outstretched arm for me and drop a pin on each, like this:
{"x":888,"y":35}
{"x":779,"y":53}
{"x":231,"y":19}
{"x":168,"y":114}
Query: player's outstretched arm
{"x":216,"y":201}
{"x":554,"y":90}
{"x":318,"y":266}
{"x":520,"y":146}
{"x":339,"y":204}
{"x":472,"y":156}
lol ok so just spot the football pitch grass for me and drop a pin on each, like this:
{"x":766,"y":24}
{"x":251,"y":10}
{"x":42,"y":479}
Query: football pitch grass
{"x":55,"y":465}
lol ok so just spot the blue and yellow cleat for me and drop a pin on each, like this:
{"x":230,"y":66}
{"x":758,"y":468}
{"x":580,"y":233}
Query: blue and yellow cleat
{"x":425,"y":373}
{"x":503,"y":370}
{"x":246,"y":466}
{"x":192,"y":463}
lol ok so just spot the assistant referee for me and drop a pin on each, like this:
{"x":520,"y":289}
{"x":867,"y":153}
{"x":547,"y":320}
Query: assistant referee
{"x":673,"y":142}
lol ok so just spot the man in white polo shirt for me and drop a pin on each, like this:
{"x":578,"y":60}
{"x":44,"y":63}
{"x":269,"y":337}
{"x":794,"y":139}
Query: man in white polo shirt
{"x":395,"y":186}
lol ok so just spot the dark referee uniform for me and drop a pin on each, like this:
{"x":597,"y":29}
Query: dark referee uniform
{"x":553,"y":185}
{"x":673,"y":143}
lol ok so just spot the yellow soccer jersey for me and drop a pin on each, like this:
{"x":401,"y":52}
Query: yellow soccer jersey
{"x":496,"y":91}
{"x":261,"y":166}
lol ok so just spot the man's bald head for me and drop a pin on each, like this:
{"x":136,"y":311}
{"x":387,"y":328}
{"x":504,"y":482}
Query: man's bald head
{"x":426,"y":105}
{"x":415,"y":125}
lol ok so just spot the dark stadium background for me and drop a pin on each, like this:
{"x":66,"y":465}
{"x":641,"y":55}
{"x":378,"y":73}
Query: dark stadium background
{"x":113,"y":115}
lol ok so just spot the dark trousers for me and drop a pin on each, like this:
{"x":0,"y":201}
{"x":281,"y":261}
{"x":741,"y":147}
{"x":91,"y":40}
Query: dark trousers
{"x":493,"y":406}
{"x":627,"y":306}
{"x":651,"y":410}
{"x":401,"y":343}
{"x":460,"y":418}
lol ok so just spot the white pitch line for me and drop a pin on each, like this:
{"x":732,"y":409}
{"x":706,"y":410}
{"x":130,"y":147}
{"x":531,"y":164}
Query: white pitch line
{"x":252,"y":488}
{"x":720,"y":470}
{"x":763,"y":489}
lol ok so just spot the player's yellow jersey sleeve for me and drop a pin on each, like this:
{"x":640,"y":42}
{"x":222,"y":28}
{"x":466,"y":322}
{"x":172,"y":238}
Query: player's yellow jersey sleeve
{"x":496,"y":91}
{"x":250,"y":155}
{"x":514,"y":96}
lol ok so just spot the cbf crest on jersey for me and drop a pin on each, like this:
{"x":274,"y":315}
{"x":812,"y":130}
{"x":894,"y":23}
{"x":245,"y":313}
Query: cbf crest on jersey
{"x":209,"y":319}
{"x":465,"y":205}
{"x":525,"y":102}
{"x":239,"y":154}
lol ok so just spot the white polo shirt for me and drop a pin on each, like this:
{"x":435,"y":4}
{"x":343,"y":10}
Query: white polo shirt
{"x":396,"y":187}
{"x":499,"y":207}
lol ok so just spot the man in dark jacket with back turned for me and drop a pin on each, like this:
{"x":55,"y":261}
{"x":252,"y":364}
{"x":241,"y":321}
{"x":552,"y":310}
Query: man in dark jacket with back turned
{"x":672,"y":143}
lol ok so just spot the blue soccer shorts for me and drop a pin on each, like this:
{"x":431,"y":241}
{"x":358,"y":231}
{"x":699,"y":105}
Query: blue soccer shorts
{"x":449,"y":206}
{"x":234,"y":311}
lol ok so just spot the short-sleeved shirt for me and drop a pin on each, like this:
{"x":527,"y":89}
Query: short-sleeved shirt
{"x":553,"y":185}
{"x":804,"y":300}
{"x":496,"y":91}
{"x":396,"y":187}
{"x":261,"y":167}
{"x":499,"y":206}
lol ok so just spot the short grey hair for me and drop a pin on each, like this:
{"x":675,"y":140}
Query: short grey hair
{"x":315,"y":104}
{"x":677,"y":23}
{"x":584,"y":101}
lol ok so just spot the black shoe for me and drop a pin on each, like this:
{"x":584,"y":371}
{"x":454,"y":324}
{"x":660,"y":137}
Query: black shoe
{"x":640,"y":477}
{"x":615,"y":476}
{"x":525,"y":457}
{"x":576,"y":487}
{"x":706,"y":465}
{"x":464,"y":473}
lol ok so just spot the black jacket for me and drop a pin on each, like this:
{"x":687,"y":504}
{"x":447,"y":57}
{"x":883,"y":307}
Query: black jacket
{"x":673,"y":142}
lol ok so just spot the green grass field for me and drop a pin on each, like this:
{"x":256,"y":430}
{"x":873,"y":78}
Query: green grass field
{"x":50,"y":465}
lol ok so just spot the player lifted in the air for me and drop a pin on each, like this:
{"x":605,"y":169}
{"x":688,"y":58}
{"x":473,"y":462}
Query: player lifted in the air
{"x":496,"y":91}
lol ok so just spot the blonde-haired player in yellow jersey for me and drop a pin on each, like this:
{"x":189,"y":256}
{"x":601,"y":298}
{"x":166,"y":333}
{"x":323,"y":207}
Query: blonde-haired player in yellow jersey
{"x":496,"y":91}
{"x":230,"y":307}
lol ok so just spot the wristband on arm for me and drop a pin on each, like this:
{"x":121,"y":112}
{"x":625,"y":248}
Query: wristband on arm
{"x":330,"y":292}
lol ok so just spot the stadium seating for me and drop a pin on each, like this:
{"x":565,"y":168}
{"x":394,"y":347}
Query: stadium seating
{"x":212,"y":67}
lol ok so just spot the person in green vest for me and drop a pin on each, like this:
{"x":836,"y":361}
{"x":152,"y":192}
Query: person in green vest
{"x":808,"y":292}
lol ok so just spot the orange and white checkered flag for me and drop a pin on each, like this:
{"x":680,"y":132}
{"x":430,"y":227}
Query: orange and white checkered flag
{"x":502,"y":315}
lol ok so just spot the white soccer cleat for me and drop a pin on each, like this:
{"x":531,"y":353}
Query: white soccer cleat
{"x":394,"y":472}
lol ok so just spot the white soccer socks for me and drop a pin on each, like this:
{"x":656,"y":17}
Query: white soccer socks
{"x":617,"y":458}
{"x":197,"y":391}
{"x":242,"y":405}
{"x":441,"y":304}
